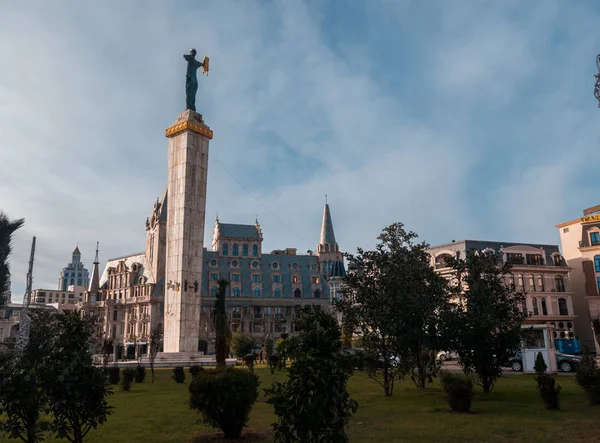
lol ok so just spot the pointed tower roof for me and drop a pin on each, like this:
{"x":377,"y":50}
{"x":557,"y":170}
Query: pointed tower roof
{"x":95,"y":280}
{"x":327,"y":234}
{"x":76,"y":250}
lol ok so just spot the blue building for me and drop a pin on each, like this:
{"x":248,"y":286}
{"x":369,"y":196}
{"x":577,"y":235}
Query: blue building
{"x":266,"y":290}
{"x":74,"y":274}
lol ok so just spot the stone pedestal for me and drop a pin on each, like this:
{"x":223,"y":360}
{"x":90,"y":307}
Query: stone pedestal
{"x":186,"y":204}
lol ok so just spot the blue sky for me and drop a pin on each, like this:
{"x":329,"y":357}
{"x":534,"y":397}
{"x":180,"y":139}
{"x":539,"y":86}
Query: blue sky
{"x":463,"y":119}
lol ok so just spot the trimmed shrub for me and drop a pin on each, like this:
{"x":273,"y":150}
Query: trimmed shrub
{"x":313,"y":404}
{"x":273,"y":362}
{"x":140,"y":374}
{"x":224,"y":398}
{"x":127,"y":378}
{"x":458,"y":389}
{"x":540,"y":365}
{"x":588,"y":377}
{"x":194,"y":369}
{"x":178,"y":374}
{"x":548,"y":390}
{"x":114,"y":374}
{"x":249,"y":360}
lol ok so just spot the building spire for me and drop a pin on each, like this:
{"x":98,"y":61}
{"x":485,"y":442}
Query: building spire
{"x":95,"y":280}
{"x":327,"y":234}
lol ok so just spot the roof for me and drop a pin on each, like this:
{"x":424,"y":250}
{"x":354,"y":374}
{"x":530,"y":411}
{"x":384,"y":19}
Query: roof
{"x":230,"y":230}
{"x":327,"y":234}
{"x":76,"y":250}
{"x":129,"y":260}
{"x":480,"y":245}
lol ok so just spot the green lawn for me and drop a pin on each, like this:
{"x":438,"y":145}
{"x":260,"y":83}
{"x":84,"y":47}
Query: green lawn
{"x":513,"y":412}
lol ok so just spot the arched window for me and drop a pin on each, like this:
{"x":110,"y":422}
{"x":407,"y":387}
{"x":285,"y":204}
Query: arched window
{"x":225,"y":248}
{"x":520,"y":282}
{"x":540,"y":283}
{"x":257,"y":292}
{"x":597,"y":262}
{"x":562,"y":306}
{"x":544,"y":307}
{"x":531,"y":282}
{"x":78,"y":282}
{"x":327,"y":248}
{"x":213,"y":291}
{"x":278,"y":292}
{"x":73,"y":280}
{"x":254,"y":250}
{"x":245,"y":250}
{"x":235,"y":250}
{"x":536,"y":309}
{"x":559,"y":282}
{"x":317,"y":293}
{"x":297,"y":293}
{"x":236,"y":292}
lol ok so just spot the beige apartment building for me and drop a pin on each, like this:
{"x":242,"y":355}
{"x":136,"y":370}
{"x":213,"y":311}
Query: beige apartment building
{"x":538,"y":270}
{"x":580,"y":244}
{"x":73,"y":295}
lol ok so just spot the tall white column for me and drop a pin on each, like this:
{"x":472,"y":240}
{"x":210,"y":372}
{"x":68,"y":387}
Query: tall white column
{"x":186,"y":204}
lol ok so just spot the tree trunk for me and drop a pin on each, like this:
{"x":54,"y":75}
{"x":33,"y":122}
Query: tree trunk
{"x":152,"y":370}
{"x":386,"y":382}
{"x":486,"y":384}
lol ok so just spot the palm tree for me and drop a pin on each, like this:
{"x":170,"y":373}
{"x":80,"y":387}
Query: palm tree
{"x":7,"y":229}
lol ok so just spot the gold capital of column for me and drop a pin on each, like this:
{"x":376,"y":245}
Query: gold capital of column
{"x":189,"y":125}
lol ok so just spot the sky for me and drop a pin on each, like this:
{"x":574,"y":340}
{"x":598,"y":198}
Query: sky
{"x":464,"y":119}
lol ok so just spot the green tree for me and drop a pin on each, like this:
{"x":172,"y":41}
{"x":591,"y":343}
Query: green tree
{"x":486,"y":322}
{"x":397,"y":301}
{"x":242,"y":344}
{"x":7,"y":229}
{"x":156,"y":335}
{"x":22,"y":395}
{"x":221,"y":326}
{"x":76,"y":389}
{"x":313,"y":405}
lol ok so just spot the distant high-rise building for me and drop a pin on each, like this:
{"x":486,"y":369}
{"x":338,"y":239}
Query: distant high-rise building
{"x":74,"y":274}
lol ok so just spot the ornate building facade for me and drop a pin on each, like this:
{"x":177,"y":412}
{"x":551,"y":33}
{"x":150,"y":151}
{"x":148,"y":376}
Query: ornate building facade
{"x":266,"y":290}
{"x":74,"y":274}
{"x":538,"y":270}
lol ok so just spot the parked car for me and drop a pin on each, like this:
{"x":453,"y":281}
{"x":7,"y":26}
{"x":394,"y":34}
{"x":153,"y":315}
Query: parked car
{"x":446,"y":356}
{"x":564,"y":362}
{"x":567,"y":362}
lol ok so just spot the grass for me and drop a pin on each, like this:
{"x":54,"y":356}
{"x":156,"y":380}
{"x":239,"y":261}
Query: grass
{"x":513,"y":412}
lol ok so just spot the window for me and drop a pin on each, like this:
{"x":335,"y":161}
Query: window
{"x":315,"y":280}
{"x":544,"y":307}
{"x":520,"y":282}
{"x":535,"y":259}
{"x":531,"y":282}
{"x":115,"y":315}
{"x":277,"y":279}
{"x":278,"y":292}
{"x":235,"y":277}
{"x":562,"y":307}
{"x":597,"y":263}
{"x":559,"y":283}
{"x":72,"y":281}
{"x":598,"y":280}
{"x":297,"y":293}
{"x":256,"y":278}
{"x":514,"y":259}
{"x":295,"y":266}
{"x":213,"y":263}
{"x":236,"y":292}
{"x":275,"y":265}
{"x":595,"y":238}
{"x":295,"y":279}
{"x":254,"y":250}
{"x":255,"y":264}
{"x":213,"y":291}
{"x":256,"y":292}
{"x":565,"y":230}
{"x":245,"y":250}
{"x":536,"y":310}
{"x":234,"y":263}
{"x":540,"y":283}
{"x":225,"y":248}
{"x":214,"y":276}
{"x":317,"y":293}
{"x":79,"y":282}
{"x":235,"y":250}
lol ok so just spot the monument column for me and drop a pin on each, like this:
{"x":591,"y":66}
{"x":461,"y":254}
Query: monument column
{"x":186,"y":192}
